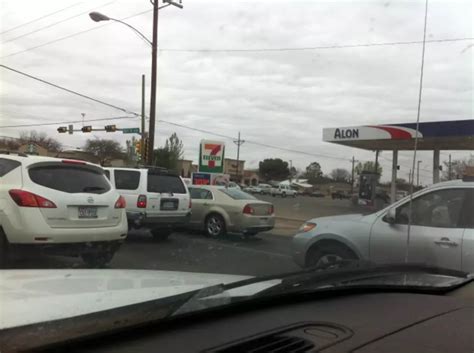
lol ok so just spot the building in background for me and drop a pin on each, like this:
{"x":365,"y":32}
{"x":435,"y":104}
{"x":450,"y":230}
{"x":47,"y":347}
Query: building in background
{"x":231,"y":167}
{"x":185,"y":168}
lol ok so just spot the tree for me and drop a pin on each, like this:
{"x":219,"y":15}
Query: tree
{"x":457,"y":167}
{"x":368,"y":166}
{"x":9,"y":144}
{"x":169,"y":155}
{"x":104,"y":149}
{"x":273,"y":169}
{"x":313,"y":172}
{"x":40,"y":139}
{"x":341,"y":175}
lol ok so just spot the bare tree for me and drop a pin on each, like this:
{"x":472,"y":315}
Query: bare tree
{"x":104,"y":149}
{"x":341,"y":175}
{"x":40,"y":139}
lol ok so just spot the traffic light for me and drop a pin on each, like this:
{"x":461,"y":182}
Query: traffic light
{"x":62,"y":129}
{"x":110,"y":128}
{"x":145,"y":149}
{"x":138,"y":146}
{"x":87,"y":128}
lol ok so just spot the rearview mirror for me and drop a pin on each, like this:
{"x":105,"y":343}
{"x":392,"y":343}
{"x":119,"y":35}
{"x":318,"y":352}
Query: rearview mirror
{"x":390,"y":216}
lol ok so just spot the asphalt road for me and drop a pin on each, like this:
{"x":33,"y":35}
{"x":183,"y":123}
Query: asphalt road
{"x":267,"y":253}
{"x":262,"y":255}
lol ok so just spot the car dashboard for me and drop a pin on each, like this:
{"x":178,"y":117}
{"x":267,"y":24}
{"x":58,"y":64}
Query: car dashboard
{"x":360,"y":322}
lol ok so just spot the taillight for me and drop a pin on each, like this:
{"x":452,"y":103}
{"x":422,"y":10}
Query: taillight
{"x":141,"y":201}
{"x":120,"y":202}
{"x":248,"y":210}
{"x":28,"y":199}
{"x":190,"y":203}
{"x":271,"y":209}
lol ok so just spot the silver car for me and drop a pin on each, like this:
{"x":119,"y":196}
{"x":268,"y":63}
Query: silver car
{"x":217,"y":210}
{"x":441,"y":232}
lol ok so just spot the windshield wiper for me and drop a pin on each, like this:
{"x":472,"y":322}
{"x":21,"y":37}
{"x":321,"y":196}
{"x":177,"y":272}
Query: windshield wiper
{"x":93,"y":188}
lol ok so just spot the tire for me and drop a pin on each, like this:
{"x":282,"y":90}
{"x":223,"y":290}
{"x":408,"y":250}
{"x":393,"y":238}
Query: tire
{"x":214,"y":226}
{"x":4,"y":253}
{"x":283,"y":194}
{"x":97,"y":259}
{"x":160,"y":234}
{"x":322,"y":255}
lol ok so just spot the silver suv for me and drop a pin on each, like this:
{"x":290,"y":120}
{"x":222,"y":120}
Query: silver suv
{"x":157,"y":199}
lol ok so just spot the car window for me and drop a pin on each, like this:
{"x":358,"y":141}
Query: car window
{"x":70,"y":179}
{"x":127,"y":179}
{"x":440,"y":208}
{"x":237,"y":194}
{"x":107,"y":173}
{"x":7,"y":165}
{"x":165,"y":183}
{"x":200,"y":194}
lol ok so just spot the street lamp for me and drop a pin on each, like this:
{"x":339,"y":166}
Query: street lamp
{"x":97,"y":17}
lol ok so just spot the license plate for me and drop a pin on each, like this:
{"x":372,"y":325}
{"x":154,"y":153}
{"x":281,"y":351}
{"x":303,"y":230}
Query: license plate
{"x":263,"y":221}
{"x":169,"y":204}
{"x":87,"y":212}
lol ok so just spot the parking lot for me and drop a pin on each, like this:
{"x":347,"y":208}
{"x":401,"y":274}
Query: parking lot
{"x":267,"y":253}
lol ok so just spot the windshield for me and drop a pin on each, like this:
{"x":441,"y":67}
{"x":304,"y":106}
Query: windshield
{"x":228,"y":141}
{"x":70,"y":179}
{"x":237,"y":194}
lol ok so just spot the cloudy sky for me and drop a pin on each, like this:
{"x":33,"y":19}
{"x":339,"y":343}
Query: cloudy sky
{"x":282,"y":98}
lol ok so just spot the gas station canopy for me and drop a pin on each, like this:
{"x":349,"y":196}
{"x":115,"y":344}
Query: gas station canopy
{"x":439,"y":135}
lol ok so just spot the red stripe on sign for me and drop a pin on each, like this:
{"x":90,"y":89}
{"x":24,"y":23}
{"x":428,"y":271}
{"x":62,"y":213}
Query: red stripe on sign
{"x":215,"y":150}
{"x":211,"y":164}
{"x":395,"y":133}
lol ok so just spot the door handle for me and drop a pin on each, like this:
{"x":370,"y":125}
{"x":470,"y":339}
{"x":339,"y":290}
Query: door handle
{"x":446,"y":241}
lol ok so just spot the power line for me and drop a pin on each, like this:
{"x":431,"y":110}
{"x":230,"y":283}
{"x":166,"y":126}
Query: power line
{"x":40,"y":18}
{"x":67,"y":122}
{"x":69,"y":90}
{"x":56,"y":23}
{"x":336,"y":46}
{"x":318,"y":155}
{"x":72,"y":35}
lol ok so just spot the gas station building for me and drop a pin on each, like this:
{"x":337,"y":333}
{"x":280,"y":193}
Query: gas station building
{"x":432,"y":136}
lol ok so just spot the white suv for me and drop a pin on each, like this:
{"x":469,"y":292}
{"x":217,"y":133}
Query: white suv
{"x":157,"y":199}
{"x":67,"y":207}
{"x":283,"y":191}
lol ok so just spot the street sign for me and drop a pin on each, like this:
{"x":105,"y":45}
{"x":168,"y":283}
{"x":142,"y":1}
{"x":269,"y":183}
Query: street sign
{"x":133,"y":130}
{"x":211,"y":156}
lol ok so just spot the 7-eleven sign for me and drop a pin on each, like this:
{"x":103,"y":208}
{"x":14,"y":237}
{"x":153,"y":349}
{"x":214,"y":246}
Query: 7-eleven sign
{"x":211,"y":156}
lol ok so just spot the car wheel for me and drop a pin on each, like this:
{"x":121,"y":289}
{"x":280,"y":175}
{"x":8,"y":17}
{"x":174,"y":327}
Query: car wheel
{"x":326,"y":254}
{"x":4,"y":253}
{"x":160,"y":234}
{"x":283,"y":195}
{"x":215,"y":226}
{"x":97,"y":259}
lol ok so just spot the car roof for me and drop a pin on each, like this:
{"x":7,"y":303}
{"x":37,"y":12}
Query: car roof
{"x":457,"y":182}
{"x":32,"y":159}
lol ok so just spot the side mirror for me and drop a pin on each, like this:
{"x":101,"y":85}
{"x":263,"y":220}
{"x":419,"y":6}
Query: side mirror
{"x":390,"y":216}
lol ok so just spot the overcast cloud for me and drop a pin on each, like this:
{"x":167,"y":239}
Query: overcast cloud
{"x":280,"y":98}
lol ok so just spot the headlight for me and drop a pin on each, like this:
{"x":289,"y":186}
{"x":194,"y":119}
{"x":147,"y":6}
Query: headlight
{"x":307,"y":226}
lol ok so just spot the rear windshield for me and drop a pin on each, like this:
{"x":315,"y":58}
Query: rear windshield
{"x":165,"y":183}
{"x":126,"y":179}
{"x":237,"y":194}
{"x":7,"y":165}
{"x":70,"y":179}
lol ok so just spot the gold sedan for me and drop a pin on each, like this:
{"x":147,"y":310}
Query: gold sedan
{"x":217,"y":210}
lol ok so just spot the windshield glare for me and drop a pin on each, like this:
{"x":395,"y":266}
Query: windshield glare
{"x":248,"y":140}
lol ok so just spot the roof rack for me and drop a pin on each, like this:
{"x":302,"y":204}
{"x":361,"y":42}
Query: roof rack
{"x":21,"y":154}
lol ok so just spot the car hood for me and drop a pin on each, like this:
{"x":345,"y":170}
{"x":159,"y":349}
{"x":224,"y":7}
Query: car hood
{"x":346,"y":217}
{"x":34,"y":296}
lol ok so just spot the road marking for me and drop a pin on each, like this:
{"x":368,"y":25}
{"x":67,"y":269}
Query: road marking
{"x":224,"y":245}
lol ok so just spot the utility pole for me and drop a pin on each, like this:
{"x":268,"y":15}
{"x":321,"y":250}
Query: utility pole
{"x":143,"y":119}
{"x":154,"y":50}
{"x":352,"y":175}
{"x":238,"y":142}
{"x":418,"y":173}
{"x":449,"y":168}
{"x":409,"y":177}
{"x":291,"y":168}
